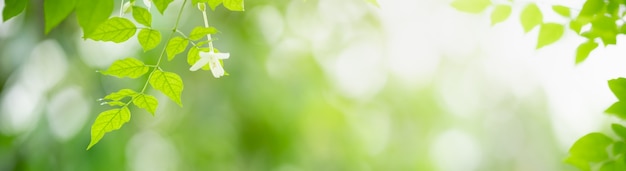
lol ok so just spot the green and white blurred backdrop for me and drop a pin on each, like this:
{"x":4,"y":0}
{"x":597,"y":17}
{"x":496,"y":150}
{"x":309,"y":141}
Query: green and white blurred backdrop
{"x":313,"y":85}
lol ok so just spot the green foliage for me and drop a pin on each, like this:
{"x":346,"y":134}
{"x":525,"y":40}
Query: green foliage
{"x":605,"y":28}
{"x":591,"y":148}
{"x":56,"y":11}
{"x":119,"y":95}
{"x":149,"y":38}
{"x":562,"y":10}
{"x":590,"y":9}
{"x":471,"y":6}
{"x":162,"y":4}
{"x":91,"y":13}
{"x":214,"y":3}
{"x":12,"y":8}
{"x":549,"y":33}
{"x":583,"y":51}
{"x":199,"y":32}
{"x":500,"y":13}
{"x":175,"y":46}
{"x":115,"y":29}
{"x":233,"y":5}
{"x":147,"y":102}
{"x":531,"y":17}
{"x":108,"y":121}
{"x":620,"y":131}
{"x":129,"y":67}
{"x":194,"y":55}
{"x":168,"y":83}
{"x":618,"y":87}
{"x":142,"y":16}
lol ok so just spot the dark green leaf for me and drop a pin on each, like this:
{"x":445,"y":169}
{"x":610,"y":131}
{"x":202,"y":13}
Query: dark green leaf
{"x":129,"y":67}
{"x":619,"y":147}
{"x":149,"y":38}
{"x":618,"y":109}
{"x":108,"y":121}
{"x":162,"y":4}
{"x":531,"y":17}
{"x":562,"y":10}
{"x":549,"y":33}
{"x":583,"y":51}
{"x":142,"y":16}
{"x":471,"y":6}
{"x":92,"y":13}
{"x":115,"y":30}
{"x":500,"y":13}
{"x":169,"y":84}
{"x":12,"y":8}
{"x":591,"y":147}
{"x":56,"y":11}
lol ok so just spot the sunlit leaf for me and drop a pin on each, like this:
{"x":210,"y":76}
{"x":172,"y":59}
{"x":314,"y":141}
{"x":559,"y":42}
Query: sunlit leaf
{"x":562,"y":10}
{"x":147,"y":102}
{"x":619,"y":147}
{"x":199,"y":32}
{"x":583,"y":51}
{"x":618,"y":109}
{"x":619,"y":130}
{"x":500,"y":13}
{"x":576,"y":25}
{"x":129,"y":67}
{"x":549,"y":33}
{"x":591,"y":147}
{"x":115,"y":103}
{"x":92,"y":13}
{"x":578,"y":163}
{"x":214,"y":3}
{"x":606,"y":28}
{"x":115,"y":29}
{"x":233,"y":5}
{"x":142,"y":16}
{"x":531,"y":17}
{"x":591,"y":8}
{"x":162,"y":4}
{"x":13,"y":8}
{"x":56,"y":11}
{"x":175,"y":46}
{"x":169,"y":84}
{"x":618,"y":87}
{"x":108,"y":121}
{"x":121,"y":94}
{"x":149,"y":38}
{"x":471,"y":6}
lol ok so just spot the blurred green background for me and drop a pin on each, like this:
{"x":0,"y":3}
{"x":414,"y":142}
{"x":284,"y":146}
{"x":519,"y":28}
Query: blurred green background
{"x":313,"y":85}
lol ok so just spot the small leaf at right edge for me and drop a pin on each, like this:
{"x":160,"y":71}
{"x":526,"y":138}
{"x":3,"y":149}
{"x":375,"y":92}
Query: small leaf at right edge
{"x":149,"y":38}
{"x":129,"y":67}
{"x":147,"y":102}
{"x":175,"y":46}
{"x":471,"y":6}
{"x":142,"y":16}
{"x":199,"y":32}
{"x":591,"y":147}
{"x":162,"y":4}
{"x":583,"y":51}
{"x":108,"y":121}
{"x":500,"y":13}
{"x":618,"y":109}
{"x":562,"y":10}
{"x":549,"y":33}
{"x":12,"y":8}
{"x":531,"y":17}
{"x":168,"y":83}
{"x":115,"y":29}
{"x":619,"y":130}
{"x":119,"y":95}
{"x":618,"y":87}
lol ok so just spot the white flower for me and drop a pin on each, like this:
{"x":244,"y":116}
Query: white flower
{"x":213,"y":59}
{"x":148,"y":3}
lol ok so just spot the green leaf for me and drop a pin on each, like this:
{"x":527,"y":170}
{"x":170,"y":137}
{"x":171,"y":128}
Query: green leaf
{"x":549,"y":33}
{"x":92,"y":13}
{"x":115,"y":29}
{"x":142,"y":16}
{"x":576,"y":25}
{"x":175,"y":46}
{"x":233,"y":5}
{"x":471,"y":6}
{"x":584,"y":50}
{"x":578,"y":163}
{"x":169,"y":84}
{"x":562,"y":10}
{"x":13,"y":8}
{"x":108,"y":121}
{"x":591,"y":147}
{"x":149,"y":38}
{"x":194,"y":55}
{"x":606,"y":28}
{"x":214,"y":3}
{"x":147,"y":102}
{"x":121,"y":94}
{"x":618,"y":87}
{"x":115,"y":103}
{"x":619,"y":130}
{"x":162,"y":4}
{"x":500,"y":13}
{"x":591,"y":8}
{"x":129,"y":67}
{"x":618,"y":109}
{"x":199,"y":32}
{"x":619,"y":147}
{"x":608,"y":166}
{"x":530,"y":17}
{"x":56,"y":11}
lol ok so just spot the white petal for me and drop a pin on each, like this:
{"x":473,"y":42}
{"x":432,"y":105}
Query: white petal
{"x":148,"y":3}
{"x":222,"y":55}
{"x":200,"y":63}
{"x":217,"y":70}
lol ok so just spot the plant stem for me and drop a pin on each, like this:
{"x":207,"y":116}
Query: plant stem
{"x":206,"y":24}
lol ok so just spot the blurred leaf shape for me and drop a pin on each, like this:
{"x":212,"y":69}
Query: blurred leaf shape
{"x":530,"y":17}
{"x":500,"y":13}
{"x":549,"y":33}
{"x":471,"y":6}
